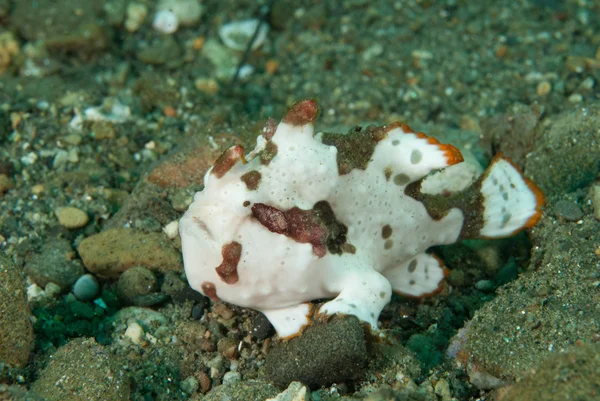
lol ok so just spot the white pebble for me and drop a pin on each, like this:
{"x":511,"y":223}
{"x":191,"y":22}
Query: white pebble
{"x":134,"y":332}
{"x":165,"y":21}
{"x":34,"y":292}
{"x":231,"y":377}
{"x":245,"y":71}
{"x":171,"y":229}
{"x":295,"y":392}
{"x":188,"y":12}
{"x":237,"y":34}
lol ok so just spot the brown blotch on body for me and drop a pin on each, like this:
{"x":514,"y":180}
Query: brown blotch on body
{"x":302,"y":113}
{"x":251,"y":179}
{"x":348,"y":248}
{"x":268,"y":153}
{"x":210,"y":290}
{"x":270,"y":217}
{"x":386,"y":231}
{"x":317,"y":226}
{"x":227,"y":270}
{"x":470,"y":202}
{"x":227,"y":160}
{"x":356,"y":148}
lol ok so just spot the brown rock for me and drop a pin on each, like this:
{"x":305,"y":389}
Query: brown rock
{"x":328,"y":353}
{"x":115,"y":250}
{"x":184,"y":170}
{"x":48,"y":20}
{"x":16,"y":330}
{"x":566,"y":157}
{"x":71,"y":217}
{"x":572,"y":374}
{"x":514,"y":133}
{"x":83,"y":370}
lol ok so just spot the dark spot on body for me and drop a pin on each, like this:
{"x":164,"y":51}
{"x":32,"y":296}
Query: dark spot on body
{"x":505,"y":219}
{"x":246,"y":203}
{"x":401,"y":179}
{"x":395,"y":142}
{"x":388,"y":244}
{"x":412,"y":266}
{"x":382,"y":294}
{"x":416,"y":156}
{"x":412,"y":282}
{"x":227,"y":270}
{"x":386,"y":231}
{"x":251,"y":179}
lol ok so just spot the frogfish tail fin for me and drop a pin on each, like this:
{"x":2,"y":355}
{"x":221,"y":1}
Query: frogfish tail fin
{"x":508,"y":202}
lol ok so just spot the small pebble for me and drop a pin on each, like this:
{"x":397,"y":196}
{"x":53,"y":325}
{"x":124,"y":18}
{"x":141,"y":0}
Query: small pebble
{"x":187,"y":12}
{"x":136,"y":14}
{"x":52,"y":290}
{"x":204,"y":381}
{"x":231,"y":377}
{"x":172,"y":229}
{"x":86,"y":288}
{"x":237,"y":34}
{"x":190,"y":385}
{"x":37,"y":189}
{"x":576,"y":98}
{"x":223,"y":310}
{"x":261,"y":327}
{"x":543,"y":88}
{"x":442,"y":388}
{"x":485,"y":285}
{"x":207,"y":86}
{"x":134,"y":332}
{"x":71,"y":217}
{"x":567,"y":210}
{"x":198,"y":310}
{"x":134,"y":282}
{"x":227,"y":347}
{"x":5,"y":184}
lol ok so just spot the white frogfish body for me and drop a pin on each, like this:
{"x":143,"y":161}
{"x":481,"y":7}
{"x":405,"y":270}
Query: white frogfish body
{"x":342,"y":216}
